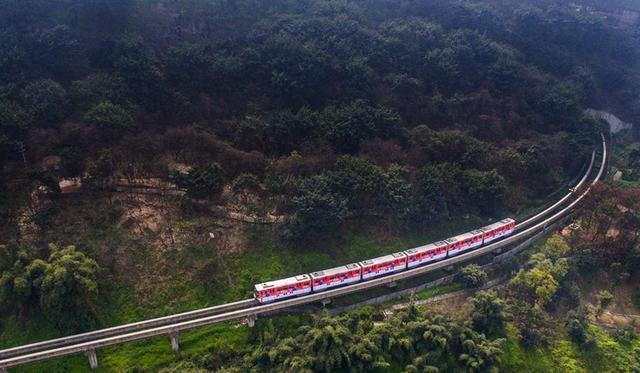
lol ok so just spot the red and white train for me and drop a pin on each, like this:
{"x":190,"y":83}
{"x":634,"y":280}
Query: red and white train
{"x":384,"y":265}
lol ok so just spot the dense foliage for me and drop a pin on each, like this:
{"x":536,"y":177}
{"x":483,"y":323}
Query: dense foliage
{"x":457,"y":108}
{"x":64,"y":286}
{"x":418,"y":341}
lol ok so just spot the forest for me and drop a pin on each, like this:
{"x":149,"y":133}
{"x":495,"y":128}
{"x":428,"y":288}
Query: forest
{"x":164,"y":155}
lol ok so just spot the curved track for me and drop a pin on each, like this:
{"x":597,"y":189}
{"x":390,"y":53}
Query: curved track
{"x":249,"y":309}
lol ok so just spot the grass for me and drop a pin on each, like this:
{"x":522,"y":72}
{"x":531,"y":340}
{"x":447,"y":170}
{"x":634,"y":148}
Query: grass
{"x":438,"y":290}
{"x":516,"y":358}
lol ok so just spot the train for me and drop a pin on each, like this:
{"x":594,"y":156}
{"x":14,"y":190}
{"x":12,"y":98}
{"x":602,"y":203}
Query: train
{"x":314,"y":282}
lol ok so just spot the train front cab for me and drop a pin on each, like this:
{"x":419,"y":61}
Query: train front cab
{"x":280,"y":289}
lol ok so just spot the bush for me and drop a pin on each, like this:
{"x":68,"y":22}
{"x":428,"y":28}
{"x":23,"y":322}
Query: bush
{"x":533,"y":324}
{"x":46,"y":99}
{"x":605,"y":299}
{"x":317,"y":210}
{"x":245,"y":184}
{"x":488,"y":314}
{"x":201,"y":181}
{"x":577,"y":324}
{"x":110,"y":117}
{"x":472,"y":276}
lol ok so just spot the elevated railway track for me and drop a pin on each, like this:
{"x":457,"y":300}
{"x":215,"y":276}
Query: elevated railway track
{"x":249,"y":309}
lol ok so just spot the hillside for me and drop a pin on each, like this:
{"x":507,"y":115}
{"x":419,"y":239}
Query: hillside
{"x":160,"y":156}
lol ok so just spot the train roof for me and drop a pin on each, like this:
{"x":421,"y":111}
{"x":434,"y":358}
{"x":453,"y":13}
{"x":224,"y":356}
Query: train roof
{"x":336,"y":270}
{"x":464,"y":236}
{"x":497,"y":224}
{"x":282,"y":282}
{"x":383,"y":259}
{"x":425,"y":248}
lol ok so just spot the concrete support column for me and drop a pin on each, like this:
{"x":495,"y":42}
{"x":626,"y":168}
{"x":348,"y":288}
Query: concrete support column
{"x":3,"y":370}
{"x":325,"y":301}
{"x":392,"y":284}
{"x":173,"y":336}
{"x":93,"y":358}
{"x":251,"y":320}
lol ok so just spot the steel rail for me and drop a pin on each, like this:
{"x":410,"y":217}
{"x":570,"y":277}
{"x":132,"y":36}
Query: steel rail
{"x":563,"y":199}
{"x":253,"y":312}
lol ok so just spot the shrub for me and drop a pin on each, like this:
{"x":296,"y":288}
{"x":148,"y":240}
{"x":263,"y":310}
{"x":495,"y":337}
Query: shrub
{"x":472,"y":276}
{"x":202,"y":181}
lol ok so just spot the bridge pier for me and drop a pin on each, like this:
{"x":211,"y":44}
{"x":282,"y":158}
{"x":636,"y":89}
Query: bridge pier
{"x":173,"y":336}
{"x":325,"y":302}
{"x":93,"y":358}
{"x":392,"y":285}
{"x":251,"y":320}
{"x":3,"y":370}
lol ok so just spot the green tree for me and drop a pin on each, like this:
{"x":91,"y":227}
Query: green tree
{"x":540,"y":283}
{"x":488,"y":312}
{"x":577,"y":324}
{"x":110,"y":118}
{"x":68,"y":286}
{"x":397,"y":198}
{"x":201,"y":181}
{"x":605,"y":299}
{"x":345,"y":127}
{"x":97,"y":88}
{"x":472,"y":276}
{"x":559,"y":103}
{"x":485,"y":189}
{"x":328,"y":341}
{"x":359,"y":182}
{"x":14,"y":125}
{"x":430,"y":194}
{"x":365,"y":354}
{"x":317,"y":210}
{"x":190,"y":67}
{"x":245,"y":184}
{"x":14,"y":120}
{"x":17,"y":288}
{"x":46,"y":99}
{"x":481,"y":354}
{"x":533,"y":325}
{"x":421,"y":365}
{"x":555,"y":247}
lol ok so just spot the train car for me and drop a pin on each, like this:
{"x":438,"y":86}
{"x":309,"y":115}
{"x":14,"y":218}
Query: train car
{"x":280,"y":289}
{"x":464,"y":242}
{"x":498,"y":230}
{"x":383,"y":265}
{"x":330,"y":278}
{"x":425,"y":254}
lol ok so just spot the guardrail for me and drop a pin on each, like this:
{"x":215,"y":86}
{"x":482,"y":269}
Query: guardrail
{"x":251,"y":313}
{"x":52,"y":343}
